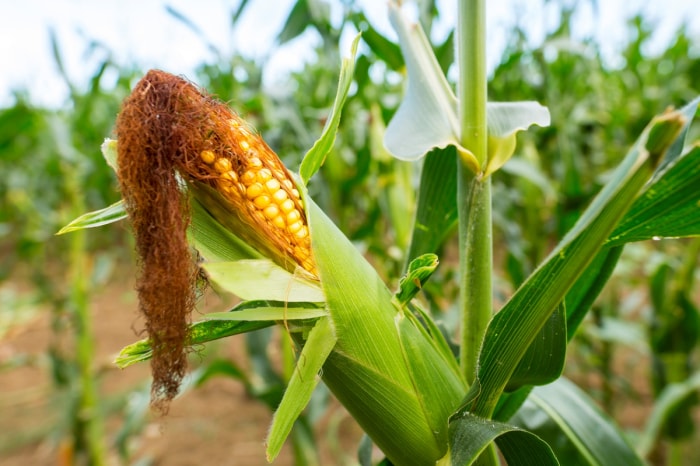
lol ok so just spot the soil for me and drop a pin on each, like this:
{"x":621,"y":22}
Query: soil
{"x":217,"y":423}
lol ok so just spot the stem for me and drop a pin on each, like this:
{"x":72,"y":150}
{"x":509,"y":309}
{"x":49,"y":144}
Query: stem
{"x":474,"y":190}
{"x":89,"y":417}
{"x":474,"y":194}
{"x":475,"y":264}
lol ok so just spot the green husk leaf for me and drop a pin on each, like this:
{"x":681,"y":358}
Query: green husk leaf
{"x":200,"y":332}
{"x":419,"y":271}
{"x":367,"y":371}
{"x":262,"y":280}
{"x":318,"y":345}
{"x":98,"y":218}
{"x":591,"y":432}
{"x":213,"y":241}
{"x":433,"y":332}
{"x":279,"y":313}
{"x":429,"y":383}
{"x":109,"y":152}
{"x":470,"y":435}
{"x":315,"y":157}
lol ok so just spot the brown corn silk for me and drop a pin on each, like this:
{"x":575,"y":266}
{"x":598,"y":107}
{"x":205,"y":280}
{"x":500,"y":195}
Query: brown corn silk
{"x":169,"y":131}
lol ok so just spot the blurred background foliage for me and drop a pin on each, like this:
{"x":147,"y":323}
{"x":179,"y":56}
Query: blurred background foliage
{"x":644,"y":331}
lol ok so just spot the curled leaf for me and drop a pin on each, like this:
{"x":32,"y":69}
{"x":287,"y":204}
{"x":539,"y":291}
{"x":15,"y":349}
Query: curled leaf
{"x":504,"y":120}
{"x":427,"y":116}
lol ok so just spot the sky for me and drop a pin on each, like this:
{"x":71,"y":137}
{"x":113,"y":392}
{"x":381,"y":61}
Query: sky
{"x":142,"y":32}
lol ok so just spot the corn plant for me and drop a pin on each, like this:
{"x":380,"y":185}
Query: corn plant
{"x":206,"y":197}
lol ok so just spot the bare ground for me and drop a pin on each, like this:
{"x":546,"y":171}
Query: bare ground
{"x":217,"y":423}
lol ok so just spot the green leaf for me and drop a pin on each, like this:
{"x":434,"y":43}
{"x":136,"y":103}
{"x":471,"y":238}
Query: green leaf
{"x":436,"y":210}
{"x":470,"y":435}
{"x":218,"y":367}
{"x":98,"y":218}
{"x":419,"y":271}
{"x":316,"y":349}
{"x":513,"y":329}
{"x":271,"y":310}
{"x":673,"y":397}
{"x":591,"y":432}
{"x":383,"y":48}
{"x":200,"y":332}
{"x":670,"y":204}
{"x":262,"y":280}
{"x":676,"y":149}
{"x":669,"y":207}
{"x":315,"y":157}
{"x":588,"y":286}
{"x":445,"y":52}
{"x":296,"y":23}
{"x":544,"y":359}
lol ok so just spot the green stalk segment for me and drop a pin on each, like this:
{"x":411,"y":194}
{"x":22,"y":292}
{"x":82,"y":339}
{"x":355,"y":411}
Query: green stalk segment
{"x":474,"y":190}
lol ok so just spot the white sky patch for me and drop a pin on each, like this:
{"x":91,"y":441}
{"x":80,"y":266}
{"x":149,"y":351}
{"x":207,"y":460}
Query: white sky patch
{"x":142,"y":33}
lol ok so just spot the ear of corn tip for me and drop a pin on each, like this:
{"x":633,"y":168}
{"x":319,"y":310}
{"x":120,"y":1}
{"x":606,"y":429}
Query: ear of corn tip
{"x":271,"y":196}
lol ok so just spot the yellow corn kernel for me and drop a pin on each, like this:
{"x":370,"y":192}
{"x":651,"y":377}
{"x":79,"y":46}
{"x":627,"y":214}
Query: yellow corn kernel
{"x":222,"y":165}
{"x":280,"y":196}
{"x":293,"y":216}
{"x":264,"y":175}
{"x":287,"y":205}
{"x":287,"y":183}
{"x":262,"y":201}
{"x":272,"y":185}
{"x":301,"y":252}
{"x":295,"y":193}
{"x":279,"y":222}
{"x":231,"y":176}
{"x":295,"y":227}
{"x":254,"y":190}
{"x":248,"y":177}
{"x":207,"y":156}
{"x":254,"y":162}
{"x":302,"y":233}
{"x":244,"y":145}
{"x":271,"y":211}
{"x":234,"y":123}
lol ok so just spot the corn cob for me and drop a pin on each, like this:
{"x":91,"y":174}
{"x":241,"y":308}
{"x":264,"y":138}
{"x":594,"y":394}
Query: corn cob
{"x":255,"y":180}
{"x":168,"y":131}
{"x":208,"y":143}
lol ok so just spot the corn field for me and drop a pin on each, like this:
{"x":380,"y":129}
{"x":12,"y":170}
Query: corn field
{"x":400,"y":258}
